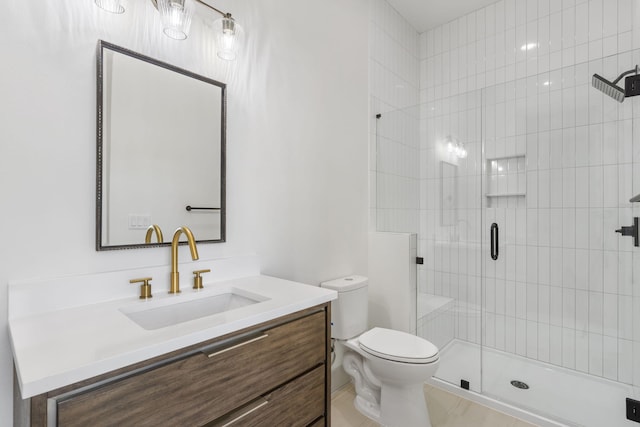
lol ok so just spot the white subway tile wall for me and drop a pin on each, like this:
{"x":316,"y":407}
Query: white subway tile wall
{"x":560,"y":163}
{"x":394,"y":137}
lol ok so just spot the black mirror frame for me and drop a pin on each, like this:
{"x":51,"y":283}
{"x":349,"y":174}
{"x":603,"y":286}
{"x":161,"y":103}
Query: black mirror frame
{"x":99,"y":151}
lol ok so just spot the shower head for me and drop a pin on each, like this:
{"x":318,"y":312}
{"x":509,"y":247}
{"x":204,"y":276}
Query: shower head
{"x":611,"y":88}
{"x":608,"y":88}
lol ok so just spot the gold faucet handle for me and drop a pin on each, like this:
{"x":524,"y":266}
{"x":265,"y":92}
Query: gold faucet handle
{"x":145,"y":287}
{"x":197,"y":278}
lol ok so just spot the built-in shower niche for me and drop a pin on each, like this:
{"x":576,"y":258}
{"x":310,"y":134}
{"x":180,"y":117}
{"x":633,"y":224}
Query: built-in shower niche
{"x":506,"y":177}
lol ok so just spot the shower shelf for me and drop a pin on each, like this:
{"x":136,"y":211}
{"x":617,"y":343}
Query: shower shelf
{"x":505,"y":194}
{"x":515,"y":156}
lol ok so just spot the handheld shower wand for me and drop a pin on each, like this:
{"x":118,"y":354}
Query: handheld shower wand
{"x":611,"y":88}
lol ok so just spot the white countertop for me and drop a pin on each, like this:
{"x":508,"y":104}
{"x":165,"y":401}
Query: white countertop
{"x":57,"y":348}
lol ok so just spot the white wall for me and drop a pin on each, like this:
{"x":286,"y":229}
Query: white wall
{"x":297,"y":139}
{"x":392,"y":281}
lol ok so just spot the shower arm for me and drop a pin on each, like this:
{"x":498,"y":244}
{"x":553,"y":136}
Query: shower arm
{"x":626,"y":73}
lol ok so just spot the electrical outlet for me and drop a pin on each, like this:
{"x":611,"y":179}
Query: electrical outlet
{"x":139,"y":222}
{"x":632,"y":85}
{"x":633,"y":410}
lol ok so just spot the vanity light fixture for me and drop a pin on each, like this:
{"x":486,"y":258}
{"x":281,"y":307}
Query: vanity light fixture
{"x":456,"y":148}
{"x":111,"y":6}
{"x":176,"y":20}
{"x":228,"y":34}
{"x":175,"y":16}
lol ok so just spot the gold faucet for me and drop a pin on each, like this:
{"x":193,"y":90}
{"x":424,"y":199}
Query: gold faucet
{"x":150,"y":230}
{"x":175,"y":275}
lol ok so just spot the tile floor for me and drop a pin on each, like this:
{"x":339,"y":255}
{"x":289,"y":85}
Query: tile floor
{"x":446,"y":410}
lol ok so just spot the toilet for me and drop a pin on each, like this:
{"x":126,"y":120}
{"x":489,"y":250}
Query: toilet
{"x":388,"y":367}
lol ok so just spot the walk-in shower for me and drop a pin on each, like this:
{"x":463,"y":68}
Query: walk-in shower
{"x":525,"y":286}
{"x":524,"y":279}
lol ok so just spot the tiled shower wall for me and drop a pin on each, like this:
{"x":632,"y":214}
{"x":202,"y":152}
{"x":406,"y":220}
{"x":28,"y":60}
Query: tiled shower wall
{"x":394,"y":139}
{"x":518,"y":74}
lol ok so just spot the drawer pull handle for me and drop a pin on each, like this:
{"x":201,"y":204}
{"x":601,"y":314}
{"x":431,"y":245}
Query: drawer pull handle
{"x":263,"y":336}
{"x":250,"y":409}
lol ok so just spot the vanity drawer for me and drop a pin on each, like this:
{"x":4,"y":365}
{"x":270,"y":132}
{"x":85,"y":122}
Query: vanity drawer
{"x":320,"y":422}
{"x":205,"y":385}
{"x":295,"y":404}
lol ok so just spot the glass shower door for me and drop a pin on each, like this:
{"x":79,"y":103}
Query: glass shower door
{"x":449,"y":285}
{"x":560,"y":333}
{"x":506,"y":282}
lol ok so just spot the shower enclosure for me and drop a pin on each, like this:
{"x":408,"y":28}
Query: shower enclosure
{"x":516,"y":185}
{"x":558,"y":167}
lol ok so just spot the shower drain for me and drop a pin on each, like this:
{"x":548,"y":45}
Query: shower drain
{"x":520,"y":384}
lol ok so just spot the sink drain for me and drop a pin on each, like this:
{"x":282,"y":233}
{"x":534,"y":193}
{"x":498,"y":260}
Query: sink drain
{"x":519,"y":384}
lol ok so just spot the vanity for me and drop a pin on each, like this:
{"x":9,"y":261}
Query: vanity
{"x":266,"y":362}
{"x":235,"y":349}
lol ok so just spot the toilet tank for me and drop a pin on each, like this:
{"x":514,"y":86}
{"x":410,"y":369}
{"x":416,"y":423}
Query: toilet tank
{"x":349,"y":313}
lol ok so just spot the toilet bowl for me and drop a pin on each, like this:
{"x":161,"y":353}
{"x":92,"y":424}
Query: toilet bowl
{"x":388,"y":367}
{"x":389,"y":370}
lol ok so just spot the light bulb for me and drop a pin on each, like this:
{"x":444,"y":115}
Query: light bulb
{"x":463,"y":152}
{"x":228,"y":35}
{"x":227,"y":41}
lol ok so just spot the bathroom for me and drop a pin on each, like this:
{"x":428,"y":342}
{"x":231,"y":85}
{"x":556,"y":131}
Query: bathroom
{"x":307,"y":176}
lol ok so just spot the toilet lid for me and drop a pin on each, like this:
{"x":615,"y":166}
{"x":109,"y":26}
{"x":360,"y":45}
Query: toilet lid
{"x":398,"y":346}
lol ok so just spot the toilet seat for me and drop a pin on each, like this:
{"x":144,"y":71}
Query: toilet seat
{"x":398,"y":346}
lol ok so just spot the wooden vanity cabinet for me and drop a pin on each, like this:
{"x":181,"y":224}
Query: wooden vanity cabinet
{"x":274,"y":374}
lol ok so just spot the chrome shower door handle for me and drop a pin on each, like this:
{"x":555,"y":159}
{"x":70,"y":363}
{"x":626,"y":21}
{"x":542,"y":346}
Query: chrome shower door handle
{"x":495,"y":251}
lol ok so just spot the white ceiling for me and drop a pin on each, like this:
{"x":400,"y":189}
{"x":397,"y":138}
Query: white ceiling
{"x":427,"y":14}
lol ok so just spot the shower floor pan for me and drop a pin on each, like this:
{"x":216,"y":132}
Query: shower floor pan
{"x":563,"y":396}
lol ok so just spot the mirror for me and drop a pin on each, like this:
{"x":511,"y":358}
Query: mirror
{"x":448,"y":194}
{"x":161,"y":151}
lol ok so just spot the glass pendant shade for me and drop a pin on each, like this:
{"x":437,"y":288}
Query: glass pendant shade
{"x":176,"y":17}
{"x":228,"y":35}
{"x":112,"y":6}
{"x":456,"y":148}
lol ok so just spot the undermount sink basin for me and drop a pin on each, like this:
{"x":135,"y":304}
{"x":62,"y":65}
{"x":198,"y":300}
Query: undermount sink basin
{"x":172,"y":311}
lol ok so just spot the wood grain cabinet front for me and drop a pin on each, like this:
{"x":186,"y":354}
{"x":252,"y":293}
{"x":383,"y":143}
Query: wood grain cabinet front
{"x":225,"y":381}
{"x":298,"y":403}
